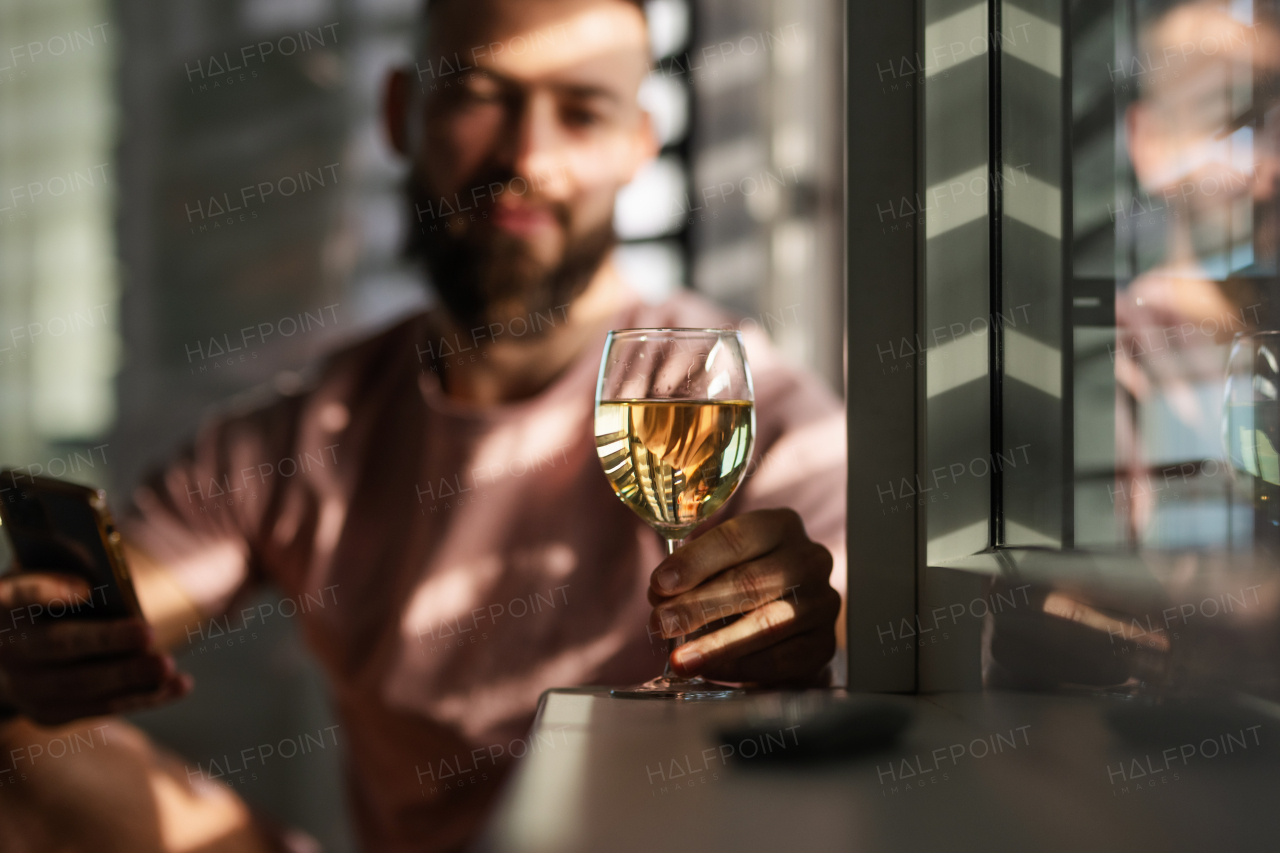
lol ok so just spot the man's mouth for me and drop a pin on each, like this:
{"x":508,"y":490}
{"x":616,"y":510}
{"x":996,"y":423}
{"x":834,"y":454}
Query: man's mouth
{"x":524,"y":221}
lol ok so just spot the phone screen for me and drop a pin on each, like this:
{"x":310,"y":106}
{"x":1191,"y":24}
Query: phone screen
{"x":54,"y":526}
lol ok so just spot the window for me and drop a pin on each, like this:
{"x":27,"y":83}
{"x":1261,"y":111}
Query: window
{"x":58,"y":345}
{"x":1083,"y":194}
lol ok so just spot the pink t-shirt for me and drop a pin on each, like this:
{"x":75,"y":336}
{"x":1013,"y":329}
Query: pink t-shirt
{"x":450,"y":563}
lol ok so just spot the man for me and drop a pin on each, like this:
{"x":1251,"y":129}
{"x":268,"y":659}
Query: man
{"x":437,"y":486}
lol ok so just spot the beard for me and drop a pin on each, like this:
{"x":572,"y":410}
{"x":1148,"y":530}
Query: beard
{"x":485,"y":276}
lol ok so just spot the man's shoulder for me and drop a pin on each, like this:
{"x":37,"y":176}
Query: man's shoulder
{"x":355,"y":368}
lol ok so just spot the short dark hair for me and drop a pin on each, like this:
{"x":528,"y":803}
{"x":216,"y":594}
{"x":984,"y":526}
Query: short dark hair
{"x":427,"y":4}
{"x":420,"y":37}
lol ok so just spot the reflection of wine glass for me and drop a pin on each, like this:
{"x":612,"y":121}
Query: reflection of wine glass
{"x":675,"y":422}
{"x":1251,"y":427}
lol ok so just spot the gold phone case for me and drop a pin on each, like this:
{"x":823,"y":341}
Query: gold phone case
{"x":96,"y":500}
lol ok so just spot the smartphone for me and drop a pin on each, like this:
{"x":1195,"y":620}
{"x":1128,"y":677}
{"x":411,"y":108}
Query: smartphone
{"x":56,"y":526}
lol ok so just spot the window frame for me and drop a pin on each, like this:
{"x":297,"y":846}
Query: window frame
{"x":888,"y":429}
{"x":884,"y":297}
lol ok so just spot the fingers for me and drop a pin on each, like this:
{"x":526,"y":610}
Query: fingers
{"x":51,"y":695}
{"x":736,"y":541}
{"x":69,"y":641}
{"x":792,"y":573}
{"x":27,"y":589}
{"x":763,"y":571}
{"x":1061,"y":641}
{"x":68,"y":670}
{"x":761,"y":628}
{"x":57,"y":670}
{"x":1065,"y":606}
{"x":73,"y":709}
{"x":796,"y":661}
{"x":1065,"y":635}
{"x":87,"y":681}
{"x":1056,"y":651}
{"x":175,"y":688}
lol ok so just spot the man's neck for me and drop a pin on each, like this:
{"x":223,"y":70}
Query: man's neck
{"x":514,"y":368}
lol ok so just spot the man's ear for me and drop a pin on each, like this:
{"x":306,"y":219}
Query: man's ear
{"x":395,"y":110}
{"x":646,"y":144}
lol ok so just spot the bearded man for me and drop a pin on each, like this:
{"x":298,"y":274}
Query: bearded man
{"x":443,"y":495}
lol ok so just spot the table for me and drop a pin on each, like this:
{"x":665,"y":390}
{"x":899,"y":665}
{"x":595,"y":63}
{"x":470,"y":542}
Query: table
{"x":975,"y":771}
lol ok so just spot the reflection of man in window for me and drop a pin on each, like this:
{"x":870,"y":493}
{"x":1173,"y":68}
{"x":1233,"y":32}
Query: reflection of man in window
{"x":1202,"y":139}
{"x":446,"y":497}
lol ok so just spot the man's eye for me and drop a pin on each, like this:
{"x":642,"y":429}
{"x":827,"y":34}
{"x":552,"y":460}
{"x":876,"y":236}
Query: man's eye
{"x":582,"y":117}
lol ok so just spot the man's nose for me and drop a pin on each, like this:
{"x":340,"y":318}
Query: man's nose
{"x":537,"y":147}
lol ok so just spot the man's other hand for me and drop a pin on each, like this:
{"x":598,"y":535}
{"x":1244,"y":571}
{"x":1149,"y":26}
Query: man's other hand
{"x":764,"y":587}
{"x":53,"y":670}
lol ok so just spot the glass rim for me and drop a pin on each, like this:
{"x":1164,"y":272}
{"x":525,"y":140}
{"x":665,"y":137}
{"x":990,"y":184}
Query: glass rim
{"x":672,"y":330}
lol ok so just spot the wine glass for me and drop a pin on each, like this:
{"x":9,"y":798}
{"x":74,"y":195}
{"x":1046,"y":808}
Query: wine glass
{"x":675,"y":422}
{"x":1251,"y":429}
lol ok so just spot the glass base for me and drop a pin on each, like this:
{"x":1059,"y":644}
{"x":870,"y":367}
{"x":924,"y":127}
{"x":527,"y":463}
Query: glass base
{"x":687,"y":689}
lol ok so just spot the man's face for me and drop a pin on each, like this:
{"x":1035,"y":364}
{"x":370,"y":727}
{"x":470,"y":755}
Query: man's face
{"x":536,"y":138}
{"x":1191,"y":137}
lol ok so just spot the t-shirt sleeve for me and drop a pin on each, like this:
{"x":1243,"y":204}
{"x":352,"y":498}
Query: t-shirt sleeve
{"x":799,"y":460}
{"x":201,"y":515}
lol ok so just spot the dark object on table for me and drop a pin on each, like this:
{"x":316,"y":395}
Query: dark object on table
{"x":839,"y":730}
{"x":1176,"y":722}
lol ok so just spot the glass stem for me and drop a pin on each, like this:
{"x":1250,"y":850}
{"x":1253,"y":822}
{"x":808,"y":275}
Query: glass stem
{"x":674,"y":642}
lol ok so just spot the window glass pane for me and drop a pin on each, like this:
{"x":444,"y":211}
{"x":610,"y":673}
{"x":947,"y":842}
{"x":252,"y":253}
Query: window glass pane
{"x":58,"y":278}
{"x":1102,"y":339}
{"x":1028,"y":453}
{"x":952,"y":348}
{"x":1173,"y":258}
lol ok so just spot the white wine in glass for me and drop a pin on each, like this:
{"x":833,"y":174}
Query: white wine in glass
{"x":675,"y":422}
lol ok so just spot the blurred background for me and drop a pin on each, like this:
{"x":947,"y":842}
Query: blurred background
{"x":131,"y":262}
